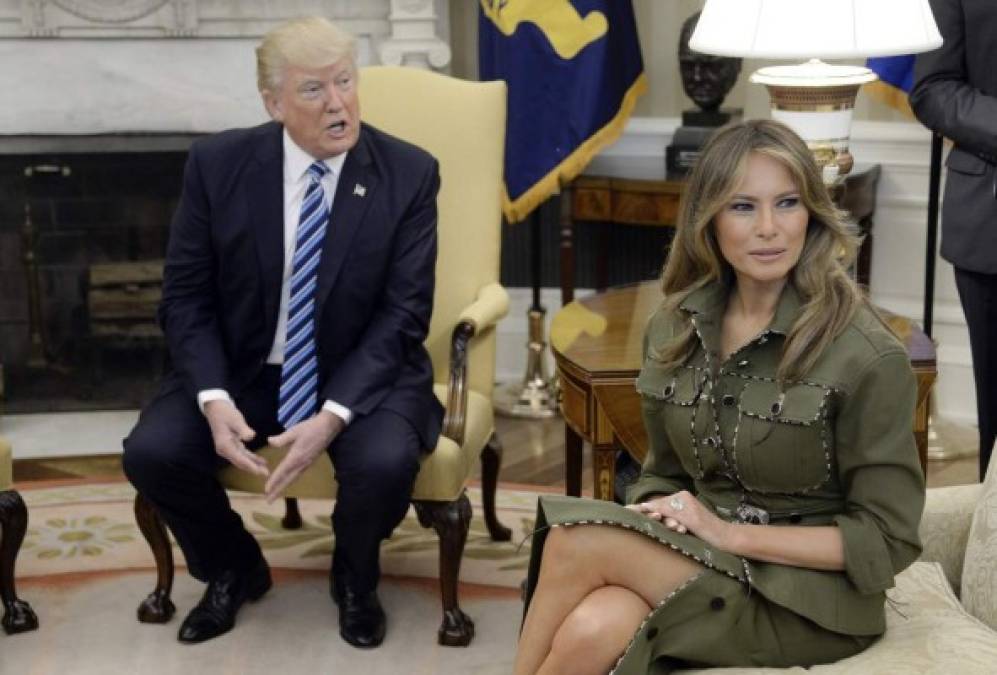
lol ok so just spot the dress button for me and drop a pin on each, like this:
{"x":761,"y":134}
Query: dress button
{"x":652,"y":633}
{"x":716,"y":604}
{"x":795,"y":518}
{"x":728,"y":400}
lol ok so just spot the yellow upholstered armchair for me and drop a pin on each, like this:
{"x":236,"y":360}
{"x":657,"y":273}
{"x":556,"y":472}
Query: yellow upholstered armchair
{"x":17,"y":616}
{"x":463,"y":125}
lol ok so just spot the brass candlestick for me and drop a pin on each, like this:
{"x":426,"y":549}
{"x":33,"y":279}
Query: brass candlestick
{"x":536,"y":396}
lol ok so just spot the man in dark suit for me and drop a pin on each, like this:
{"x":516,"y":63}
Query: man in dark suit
{"x":955,"y":94}
{"x":297,"y":293}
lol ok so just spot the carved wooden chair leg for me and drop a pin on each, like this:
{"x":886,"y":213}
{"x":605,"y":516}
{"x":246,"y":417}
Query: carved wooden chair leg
{"x":451,"y":520}
{"x":491,"y":462}
{"x":292,"y":516}
{"x":18,"y":616}
{"x":157,"y":607}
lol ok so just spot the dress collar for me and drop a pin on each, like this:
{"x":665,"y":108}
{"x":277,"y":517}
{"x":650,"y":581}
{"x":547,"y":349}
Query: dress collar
{"x":709,"y":302}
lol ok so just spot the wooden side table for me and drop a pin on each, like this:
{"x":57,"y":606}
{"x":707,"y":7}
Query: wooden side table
{"x":655,"y":203}
{"x":597,"y":347}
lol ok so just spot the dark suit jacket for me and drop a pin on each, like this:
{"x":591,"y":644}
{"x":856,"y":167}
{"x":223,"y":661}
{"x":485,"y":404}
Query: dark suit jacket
{"x":955,"y":94}
{"x":225,"y":258}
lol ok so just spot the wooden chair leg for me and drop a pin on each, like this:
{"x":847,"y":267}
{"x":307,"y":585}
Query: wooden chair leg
{"x":157,"y":607}
{"x":491,"y":462}
{"x":292,"y":516}
{"x":18,"y":616}
{"x":451,"y":520}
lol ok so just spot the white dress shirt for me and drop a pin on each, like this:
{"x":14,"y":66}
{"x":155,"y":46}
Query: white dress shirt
{"x":296,"y":163}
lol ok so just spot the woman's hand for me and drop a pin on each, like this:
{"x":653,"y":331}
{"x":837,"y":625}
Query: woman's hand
{"x":682,"y":512}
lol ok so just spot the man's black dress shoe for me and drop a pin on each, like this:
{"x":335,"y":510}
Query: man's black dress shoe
{"x":361,"y":618}
{"x":215,"y":613}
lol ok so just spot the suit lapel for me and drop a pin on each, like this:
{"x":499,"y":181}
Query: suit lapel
{"x":265,"y":183}
{"x":354,"y":193}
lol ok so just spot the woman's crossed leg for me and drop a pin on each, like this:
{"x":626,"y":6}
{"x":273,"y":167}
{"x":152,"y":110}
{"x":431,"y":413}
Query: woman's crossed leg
{"x":597,"y":583}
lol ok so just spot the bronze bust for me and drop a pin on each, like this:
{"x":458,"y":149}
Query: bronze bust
{"x":706,"y":79}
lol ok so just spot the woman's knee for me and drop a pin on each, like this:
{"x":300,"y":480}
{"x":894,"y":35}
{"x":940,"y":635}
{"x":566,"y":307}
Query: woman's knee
{"x":597,"y":630}
{"x":581,"y":629}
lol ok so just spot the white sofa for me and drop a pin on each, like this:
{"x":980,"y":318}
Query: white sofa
{"x":942,"y":615}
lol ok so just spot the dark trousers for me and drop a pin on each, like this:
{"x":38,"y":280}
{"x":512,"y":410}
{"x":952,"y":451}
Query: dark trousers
{"x":170,"y":459}
{"x":978,"y":293}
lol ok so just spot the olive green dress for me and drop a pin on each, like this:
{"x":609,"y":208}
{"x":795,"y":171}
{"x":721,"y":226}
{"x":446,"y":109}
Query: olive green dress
{"x":834,"y":449}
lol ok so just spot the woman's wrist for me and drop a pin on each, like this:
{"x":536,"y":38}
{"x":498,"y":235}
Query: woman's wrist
{"x":731,"y":537}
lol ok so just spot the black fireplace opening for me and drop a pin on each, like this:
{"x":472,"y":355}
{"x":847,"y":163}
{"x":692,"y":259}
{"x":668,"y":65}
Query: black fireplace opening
{"x":82,"y":238}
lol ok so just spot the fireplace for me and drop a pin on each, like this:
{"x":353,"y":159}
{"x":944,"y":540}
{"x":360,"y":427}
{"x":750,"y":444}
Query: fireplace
{"x":67,"y":218}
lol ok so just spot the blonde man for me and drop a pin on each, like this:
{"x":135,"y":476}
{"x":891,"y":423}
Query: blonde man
{"x":296,"y":297}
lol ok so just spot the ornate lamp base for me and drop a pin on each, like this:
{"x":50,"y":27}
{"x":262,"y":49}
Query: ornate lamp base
{"x":536,"y":396}
{"x":817,"y":99}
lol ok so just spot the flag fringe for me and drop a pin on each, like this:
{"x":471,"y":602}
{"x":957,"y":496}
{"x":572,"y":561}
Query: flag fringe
{"x":575,"y":163}
{"x":892,"y":96}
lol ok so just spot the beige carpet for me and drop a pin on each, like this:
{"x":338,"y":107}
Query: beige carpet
{"x":91,"y":527}
{"x":84,"y":567}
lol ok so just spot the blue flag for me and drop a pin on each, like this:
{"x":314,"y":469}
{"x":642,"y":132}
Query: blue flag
{"x":896,"y":79}
{"x":574,"y":72}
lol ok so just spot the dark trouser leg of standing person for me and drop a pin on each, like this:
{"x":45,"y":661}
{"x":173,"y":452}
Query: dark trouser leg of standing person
{"x":376,"y":460}
{"x":978,"y":293}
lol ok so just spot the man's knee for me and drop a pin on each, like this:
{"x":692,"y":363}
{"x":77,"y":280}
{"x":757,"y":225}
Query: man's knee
{"x":153,"y":455}
{"x":386,"y":462}
{"x":139,"y":458}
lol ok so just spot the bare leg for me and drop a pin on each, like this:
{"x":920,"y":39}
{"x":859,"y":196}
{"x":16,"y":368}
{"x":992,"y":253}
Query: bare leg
{"x":595,"y":634}
{"x":581,"y":559}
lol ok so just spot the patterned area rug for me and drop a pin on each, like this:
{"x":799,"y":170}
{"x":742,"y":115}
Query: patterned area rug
{"x":90,"y":528}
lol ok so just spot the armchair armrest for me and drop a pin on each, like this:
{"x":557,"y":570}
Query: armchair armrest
{"x":948,"y":513}
{"x":491,"y":305}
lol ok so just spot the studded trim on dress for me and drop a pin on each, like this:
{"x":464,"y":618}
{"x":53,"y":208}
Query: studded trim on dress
{"x":654,"y":610}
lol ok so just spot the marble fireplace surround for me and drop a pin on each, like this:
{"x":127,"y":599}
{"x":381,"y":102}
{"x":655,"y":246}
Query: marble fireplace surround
{"x":83,"y":73}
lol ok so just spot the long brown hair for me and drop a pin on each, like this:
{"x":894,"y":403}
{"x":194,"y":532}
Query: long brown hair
{"x":829,"y":295}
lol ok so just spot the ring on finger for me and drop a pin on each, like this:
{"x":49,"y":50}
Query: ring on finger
{"x":676,"y":504}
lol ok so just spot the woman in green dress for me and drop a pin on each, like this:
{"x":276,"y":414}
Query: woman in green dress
{"x":782,"y":492}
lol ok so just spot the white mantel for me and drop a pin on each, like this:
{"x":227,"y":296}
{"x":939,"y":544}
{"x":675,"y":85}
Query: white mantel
{"x":81,"y":67}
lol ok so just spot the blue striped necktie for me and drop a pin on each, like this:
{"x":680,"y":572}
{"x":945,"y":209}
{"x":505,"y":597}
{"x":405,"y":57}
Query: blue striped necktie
{"x":298,"y":398}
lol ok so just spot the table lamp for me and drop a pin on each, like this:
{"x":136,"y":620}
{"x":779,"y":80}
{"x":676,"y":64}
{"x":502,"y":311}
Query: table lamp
{"x":814,"y":98}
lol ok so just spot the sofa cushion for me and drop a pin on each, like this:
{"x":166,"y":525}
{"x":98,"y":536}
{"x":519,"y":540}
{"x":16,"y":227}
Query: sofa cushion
{"x":979,"y":573}
{"x":927,"y":631}
{"x":944,"y":530}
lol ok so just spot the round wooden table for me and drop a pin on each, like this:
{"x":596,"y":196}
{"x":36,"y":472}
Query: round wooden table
{"x":597,"y":345}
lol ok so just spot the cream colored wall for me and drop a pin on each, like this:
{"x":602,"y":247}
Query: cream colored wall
{"x":658,"y":25}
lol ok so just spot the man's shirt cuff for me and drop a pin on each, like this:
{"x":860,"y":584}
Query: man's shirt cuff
{"x":339,"y":411}
{"x":206,"y":395}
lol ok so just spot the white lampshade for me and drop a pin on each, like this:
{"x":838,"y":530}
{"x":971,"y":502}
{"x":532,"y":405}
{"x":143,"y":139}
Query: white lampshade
{"x":814,"y":98}
{"x":825,"y":29}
